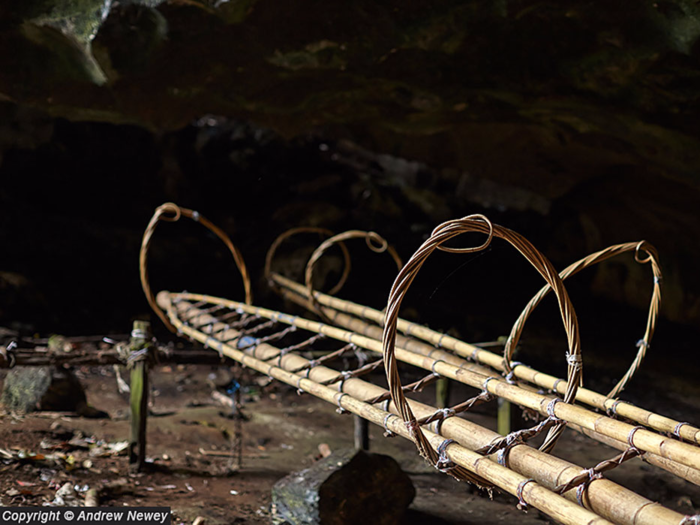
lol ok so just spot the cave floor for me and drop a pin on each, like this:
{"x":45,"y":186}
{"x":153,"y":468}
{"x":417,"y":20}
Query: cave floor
{"x":282,"y":435}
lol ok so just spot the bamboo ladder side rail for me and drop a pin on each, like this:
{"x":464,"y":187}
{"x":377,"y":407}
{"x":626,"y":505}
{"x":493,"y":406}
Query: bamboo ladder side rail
{"x":375,"y":332}
{"x":644,"y":440}
{"x":441,"y":340}
{"x":614,"y":502}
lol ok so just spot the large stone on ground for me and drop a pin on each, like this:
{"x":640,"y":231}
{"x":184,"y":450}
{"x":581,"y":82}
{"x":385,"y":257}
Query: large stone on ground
{"x":28,"y":389}
{"x":347,"y":487}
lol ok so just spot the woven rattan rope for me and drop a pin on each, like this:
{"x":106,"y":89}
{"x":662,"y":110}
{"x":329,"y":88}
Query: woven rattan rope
{"x":170,"y":212}
{"x":269,"y":257}
{"x":375,"y":242}
{"x":442,"y":234}
{"x":651,"y":257}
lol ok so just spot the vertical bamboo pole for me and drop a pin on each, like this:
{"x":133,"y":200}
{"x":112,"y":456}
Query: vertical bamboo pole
{"x":442,"y":392}
{"x":361,"y":433}
{"x":504,"y":417}
{"x":140,"y":341}
{"x":238,"y":438}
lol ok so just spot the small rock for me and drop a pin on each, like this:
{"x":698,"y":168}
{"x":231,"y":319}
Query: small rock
{"x":347,"y":487}
{"x":52,"y":388}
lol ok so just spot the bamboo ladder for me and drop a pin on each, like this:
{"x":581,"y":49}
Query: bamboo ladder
{"x":238,"y":330}
{"x":334,"y":309}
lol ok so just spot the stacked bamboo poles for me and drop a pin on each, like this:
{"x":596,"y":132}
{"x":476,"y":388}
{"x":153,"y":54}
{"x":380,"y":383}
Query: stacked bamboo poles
{"x":682,"y":430}
{"x":671,"y":450}
{"x":606,"y":498}
{"x":300,"y":295}
{"x":411,"y":345}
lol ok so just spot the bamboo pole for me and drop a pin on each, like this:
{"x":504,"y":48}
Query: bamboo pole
{"x":516,"y":484}
{"x":139,"y":396}
{"x":645,"y":440}
{"x":412,"y":345}
{"x":605,"y":497}
{"x":361,"y":433}
{"x":623,"y":409}
{"x":40,"y":356}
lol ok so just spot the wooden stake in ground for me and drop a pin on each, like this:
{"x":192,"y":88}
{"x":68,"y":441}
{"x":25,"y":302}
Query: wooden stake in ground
{"x":138,"y":363}
{"x":361,"y":433}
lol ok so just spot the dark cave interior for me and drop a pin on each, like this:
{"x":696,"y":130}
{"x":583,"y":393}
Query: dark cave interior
{"x":574,"y":125}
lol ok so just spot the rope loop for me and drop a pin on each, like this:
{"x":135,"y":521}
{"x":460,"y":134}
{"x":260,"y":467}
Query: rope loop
{"x":583,"y":487}
{"x":387,"y":432}
{"x":340,"y":409}
{"x":612,"y":410}
{"x":677,"y":430}
{"x":444,"y":463}
{"x":376,"y":242}
{"x":522,"y":504}
{"x":446,"y":226}
{"x":630,"y":440}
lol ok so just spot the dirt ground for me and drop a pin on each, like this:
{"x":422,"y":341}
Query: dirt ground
{"x":282,"y":435}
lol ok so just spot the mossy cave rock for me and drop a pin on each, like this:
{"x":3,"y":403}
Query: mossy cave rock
{"x":348,"y":487}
